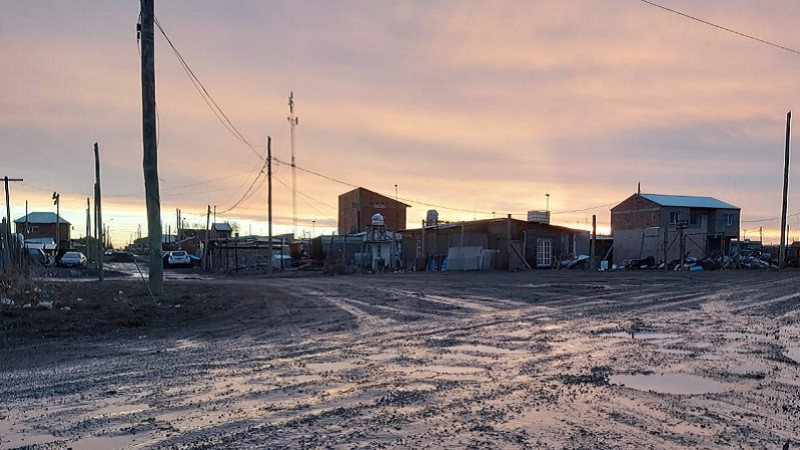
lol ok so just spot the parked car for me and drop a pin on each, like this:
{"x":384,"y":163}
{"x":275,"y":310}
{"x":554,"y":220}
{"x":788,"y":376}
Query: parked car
{"x":38,"y":257}
{"x":73,"y":259}
{"x":179,"y":258}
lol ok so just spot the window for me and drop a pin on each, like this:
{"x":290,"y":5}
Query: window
{"x":727,"y":219}
{"x":544,"y":252}
{"x":693,"y":218}
{"x":673,"y":217}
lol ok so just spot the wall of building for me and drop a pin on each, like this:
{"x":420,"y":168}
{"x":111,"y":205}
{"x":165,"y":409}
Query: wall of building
{"x":635,"y":212}
{"x":641,"y":243}
{"x":357,"y":207}
{"x":39,"y":230}
{"x":492,"y":235}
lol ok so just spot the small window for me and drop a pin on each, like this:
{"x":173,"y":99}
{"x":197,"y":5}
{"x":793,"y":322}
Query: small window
{"x":673,"y":217}
{"x":727,"y":219}
{"x":693,"y":218}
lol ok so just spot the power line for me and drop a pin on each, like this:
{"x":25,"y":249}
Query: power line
{"x":744,"y":35}
{"x":207,"y":98}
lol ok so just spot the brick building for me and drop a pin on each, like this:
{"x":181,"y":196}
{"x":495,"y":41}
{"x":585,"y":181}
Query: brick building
{"x":512,"y":243}
{"x":359,"y":205}
{"x":663,"y":226}
{"x":43,"y":225}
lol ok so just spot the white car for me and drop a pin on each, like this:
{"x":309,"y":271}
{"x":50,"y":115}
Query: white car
{"x":179,"y":258}
{"x":73,"y":259}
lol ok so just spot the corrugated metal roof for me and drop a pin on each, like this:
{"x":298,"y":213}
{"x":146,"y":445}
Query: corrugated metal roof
{"x":41,"y":217}
{"x":222,"y":226}
{"x":688,"y":201}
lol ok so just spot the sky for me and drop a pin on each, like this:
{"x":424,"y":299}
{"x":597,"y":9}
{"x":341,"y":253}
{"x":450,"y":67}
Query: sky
{"x":474,"y":109}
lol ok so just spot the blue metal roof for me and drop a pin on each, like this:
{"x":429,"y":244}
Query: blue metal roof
{"x":41,"y":217}
{"x":687,"y":201}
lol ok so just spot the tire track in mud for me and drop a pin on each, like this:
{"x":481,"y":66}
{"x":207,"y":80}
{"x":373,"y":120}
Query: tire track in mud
{"x":512,"y":373}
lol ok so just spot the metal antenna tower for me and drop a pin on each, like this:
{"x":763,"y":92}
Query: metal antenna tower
{"x":293,"y":121}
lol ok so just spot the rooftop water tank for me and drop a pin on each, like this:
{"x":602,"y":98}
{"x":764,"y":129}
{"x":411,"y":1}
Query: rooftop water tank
{"x":378,"y":220}
{"x":432,"y":217}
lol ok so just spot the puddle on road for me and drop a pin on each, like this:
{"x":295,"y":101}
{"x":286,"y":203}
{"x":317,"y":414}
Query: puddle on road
{"x":793,"y":353}
{"x":12,"y":438}
{"x":118,"y":410}
{"x":486,"y":349}
{"x":439,"y":372}
{"x":674,"y":351}
{"x":736,"y":335}
{"x":646,"y":335}
{"x":102,"y":442}
{"x":670,"y":383}
{"x":746,"y":369}
{"x":333,"y":366}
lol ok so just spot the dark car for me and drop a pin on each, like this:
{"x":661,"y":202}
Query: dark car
{"x":73,"y":259}
{"x":38,"y":257}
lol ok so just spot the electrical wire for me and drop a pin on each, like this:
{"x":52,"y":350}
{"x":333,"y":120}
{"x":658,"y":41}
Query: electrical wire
{"x":207,"y":98}
{"x":744,"y":35}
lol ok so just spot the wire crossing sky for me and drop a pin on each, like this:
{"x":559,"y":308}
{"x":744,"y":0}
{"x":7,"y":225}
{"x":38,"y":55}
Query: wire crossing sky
{"x":469,"y":108}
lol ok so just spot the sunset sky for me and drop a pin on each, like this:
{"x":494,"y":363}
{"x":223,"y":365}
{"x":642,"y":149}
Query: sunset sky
{"x":475,"y":107}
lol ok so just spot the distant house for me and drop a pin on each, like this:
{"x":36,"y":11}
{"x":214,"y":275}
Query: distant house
{"x":664,"y":226}
{"x":359,"y":205}
{"x":43,"y":225}
{"x":220,"y":231}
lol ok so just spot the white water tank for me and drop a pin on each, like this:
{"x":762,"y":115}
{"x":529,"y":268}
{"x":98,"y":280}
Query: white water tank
{"x":378,"y":220}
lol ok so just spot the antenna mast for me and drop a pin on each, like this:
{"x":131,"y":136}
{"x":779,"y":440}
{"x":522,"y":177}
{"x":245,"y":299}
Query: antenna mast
{"x":292,"y":123}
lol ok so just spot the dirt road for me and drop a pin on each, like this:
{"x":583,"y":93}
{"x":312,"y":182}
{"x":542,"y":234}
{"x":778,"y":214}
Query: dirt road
{"x":549,"y":360}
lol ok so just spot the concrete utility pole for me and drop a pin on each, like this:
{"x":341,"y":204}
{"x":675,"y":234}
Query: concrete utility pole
{"x":98,"y":213}
{"x":269,"y":203}
{"x":150,"y":160}
{"x":781,"y":253}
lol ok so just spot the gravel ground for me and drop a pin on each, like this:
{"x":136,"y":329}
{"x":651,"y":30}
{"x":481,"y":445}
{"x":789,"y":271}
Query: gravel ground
{"x":529,"y":360}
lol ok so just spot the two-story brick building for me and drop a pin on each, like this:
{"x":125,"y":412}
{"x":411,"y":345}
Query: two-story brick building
{"x":663,"y":226}
{"x":359,"y":205}
{"x":43,"y":225}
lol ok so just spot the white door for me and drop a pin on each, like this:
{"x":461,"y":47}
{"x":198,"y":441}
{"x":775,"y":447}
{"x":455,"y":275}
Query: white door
{"x":544,"y":252}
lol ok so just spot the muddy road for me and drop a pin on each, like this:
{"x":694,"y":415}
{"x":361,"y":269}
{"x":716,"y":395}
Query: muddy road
{"x":542,"y":360}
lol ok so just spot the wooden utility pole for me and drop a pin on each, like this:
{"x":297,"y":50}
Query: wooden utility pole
{"x":8,"y":215}
{"x":206,"y":253}
{"x":57,"y":202}
{"x":508,"y":240}
{"x":781,"y":253}
{"x":593,"y":249}
{"x":269,"y":203}
{"x":98,"y":213}
{"x":150,"y":160}
{"x":293,"y":121}
{"x":88,"y":229}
